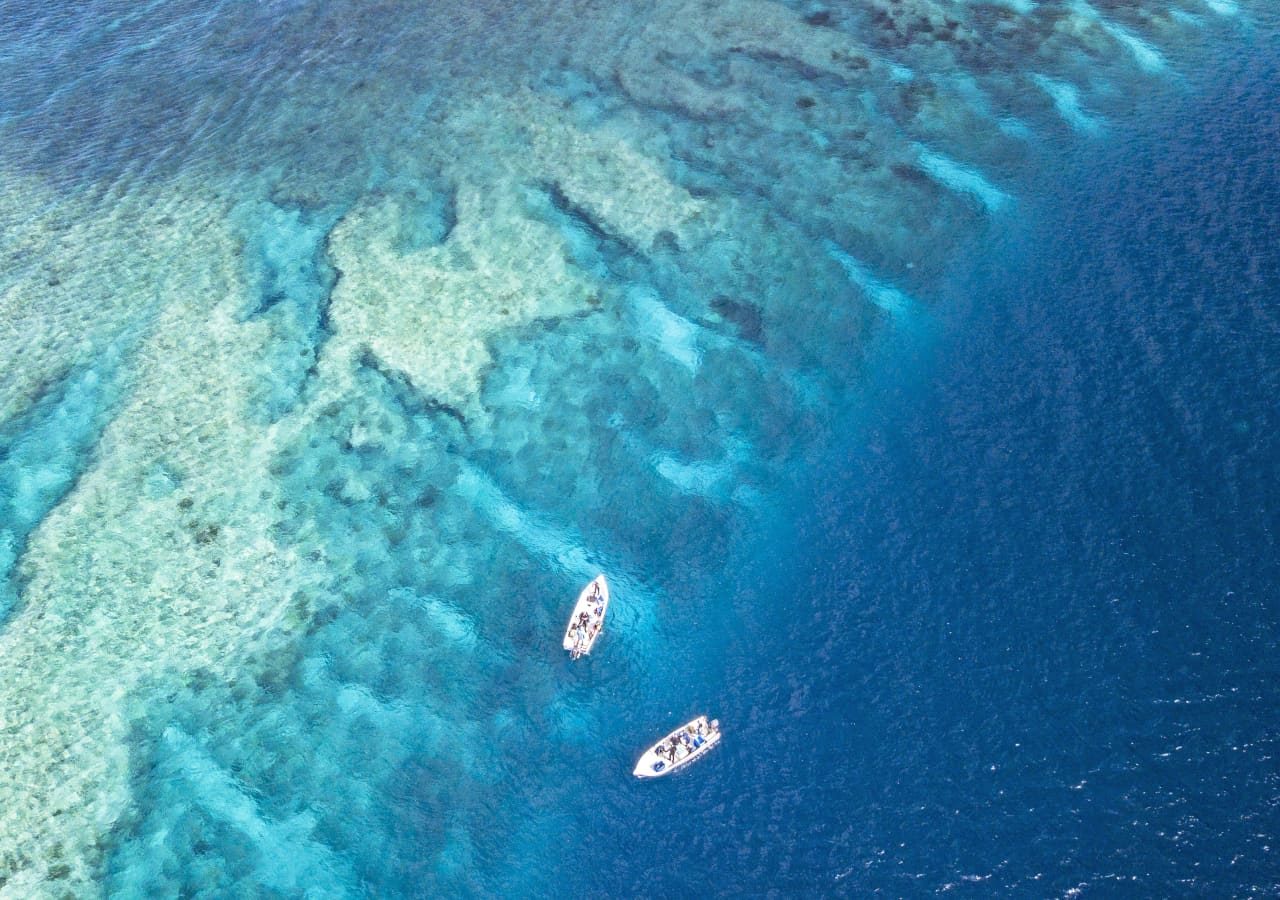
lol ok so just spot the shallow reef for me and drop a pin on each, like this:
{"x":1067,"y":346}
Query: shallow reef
{"x":326,"y":367}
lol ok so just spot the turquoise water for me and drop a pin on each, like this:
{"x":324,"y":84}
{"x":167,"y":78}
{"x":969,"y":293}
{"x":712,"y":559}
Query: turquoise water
{"x":909,"y":368}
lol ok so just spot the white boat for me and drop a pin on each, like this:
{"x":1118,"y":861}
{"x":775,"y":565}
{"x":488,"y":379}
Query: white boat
{"x":688,"y":742}
{"x":587,"y":620}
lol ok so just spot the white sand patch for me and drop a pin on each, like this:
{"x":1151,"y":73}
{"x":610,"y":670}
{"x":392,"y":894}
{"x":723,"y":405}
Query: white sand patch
{"x":1147,"y":57}
{"x":672,"y":333}
{"x":962,"y":179}
{"x":883,"y":294}
{"x":1066,"y":99}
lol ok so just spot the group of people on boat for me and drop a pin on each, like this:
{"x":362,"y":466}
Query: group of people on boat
{"x":588,"y":622}
{"x":681,"y":746}
{"x":687,"y":740}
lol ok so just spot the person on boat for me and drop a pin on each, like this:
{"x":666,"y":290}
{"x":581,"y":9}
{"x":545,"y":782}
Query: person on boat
{"x":580,"y":639}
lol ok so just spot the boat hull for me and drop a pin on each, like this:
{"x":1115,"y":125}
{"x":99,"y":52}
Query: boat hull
{"x":656,"y":762}
{"x":594,"y":601}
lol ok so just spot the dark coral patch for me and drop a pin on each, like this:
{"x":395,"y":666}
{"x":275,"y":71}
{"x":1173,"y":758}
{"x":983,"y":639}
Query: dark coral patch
{"x":745,"y":316}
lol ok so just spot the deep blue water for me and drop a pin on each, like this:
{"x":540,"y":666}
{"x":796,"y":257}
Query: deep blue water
{"x":1024,"y":638}
{"x":965,"y":529}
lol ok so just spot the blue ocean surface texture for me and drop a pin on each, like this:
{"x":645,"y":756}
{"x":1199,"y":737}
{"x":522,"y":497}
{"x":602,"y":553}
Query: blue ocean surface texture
{"x":910,"y":368}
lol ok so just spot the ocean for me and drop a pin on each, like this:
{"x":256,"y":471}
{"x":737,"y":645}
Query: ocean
{"x":910,"y":368}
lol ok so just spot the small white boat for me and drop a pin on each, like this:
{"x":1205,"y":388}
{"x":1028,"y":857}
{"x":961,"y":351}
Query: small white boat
{"x":681,"y":747}
{"x":587,"y":620}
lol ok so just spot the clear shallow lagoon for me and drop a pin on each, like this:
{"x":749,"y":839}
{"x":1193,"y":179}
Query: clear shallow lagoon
{"x":910,"y":367}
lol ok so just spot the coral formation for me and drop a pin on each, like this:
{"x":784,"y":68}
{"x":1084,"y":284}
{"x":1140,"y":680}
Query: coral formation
{"x":319,"y":414}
